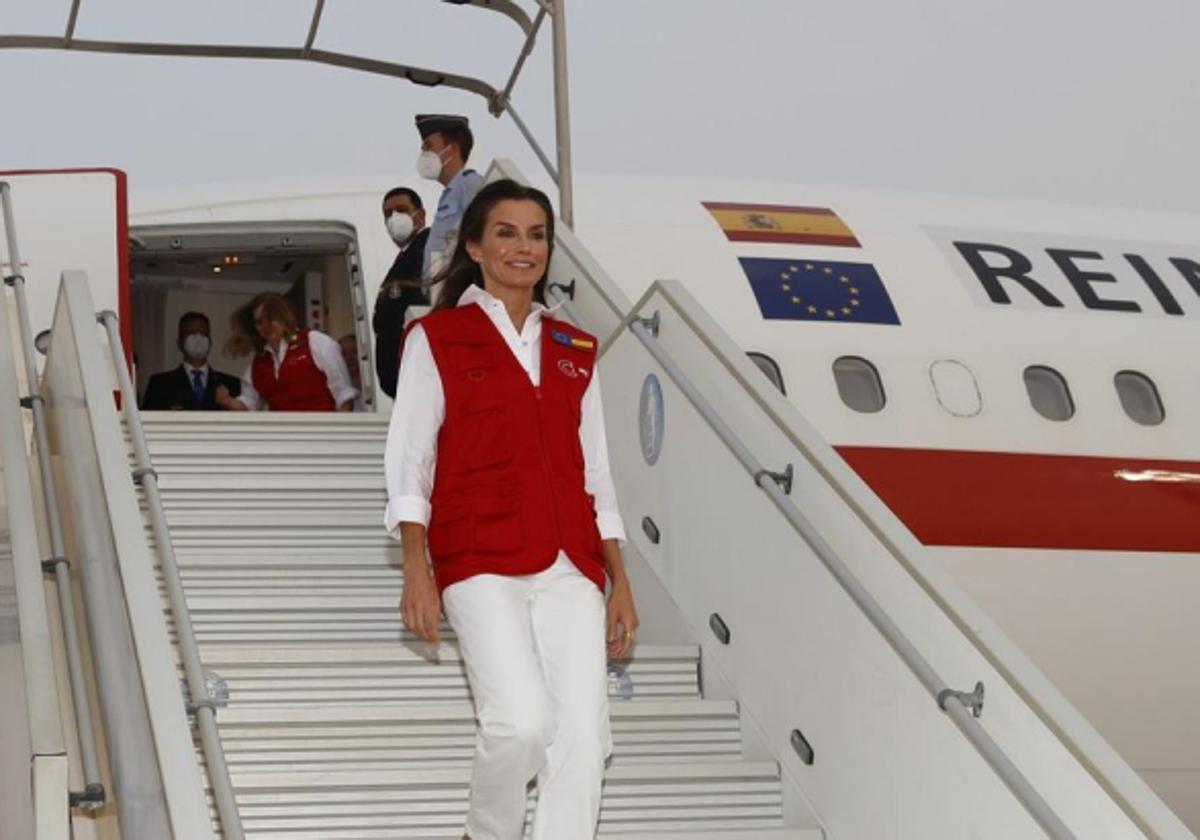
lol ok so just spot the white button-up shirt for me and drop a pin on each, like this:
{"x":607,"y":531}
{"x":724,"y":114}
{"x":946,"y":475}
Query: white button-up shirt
{"x":326,"y":355}
{"x":410,"y":460}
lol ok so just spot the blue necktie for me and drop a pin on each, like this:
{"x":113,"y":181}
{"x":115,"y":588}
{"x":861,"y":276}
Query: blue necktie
{"x":198,"y":387}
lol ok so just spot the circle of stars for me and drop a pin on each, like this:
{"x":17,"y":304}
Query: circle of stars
{"x":789,"y":285}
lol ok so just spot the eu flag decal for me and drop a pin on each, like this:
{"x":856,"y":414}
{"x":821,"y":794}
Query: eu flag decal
{"x":816,"y":290}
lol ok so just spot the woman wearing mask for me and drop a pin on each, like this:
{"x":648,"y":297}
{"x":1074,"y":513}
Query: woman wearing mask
{"x":293,"y":369}
{"x":497,"y":453}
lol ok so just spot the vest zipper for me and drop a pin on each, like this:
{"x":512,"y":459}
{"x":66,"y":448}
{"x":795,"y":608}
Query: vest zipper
{"x":546,"y":469}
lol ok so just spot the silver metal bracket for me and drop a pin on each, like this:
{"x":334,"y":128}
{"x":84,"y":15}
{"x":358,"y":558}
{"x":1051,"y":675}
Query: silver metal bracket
{"x":50,"y":565}
{"x":783,"y":479}
{"x":652,"y":323}
{"x":11,"y":279}
{"x":139,"y":475}
{"x":566,"y":289}
{"x":972,"y":700}
{"x":216,"y":694}
{"x":91,"y":798}
{"x":497,"y":103}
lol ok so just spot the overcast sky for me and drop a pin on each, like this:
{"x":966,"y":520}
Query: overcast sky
{"x":1091,"y":101}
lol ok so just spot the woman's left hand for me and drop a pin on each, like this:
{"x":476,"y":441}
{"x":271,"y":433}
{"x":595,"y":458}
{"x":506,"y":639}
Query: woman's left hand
{"x":622,"y":620}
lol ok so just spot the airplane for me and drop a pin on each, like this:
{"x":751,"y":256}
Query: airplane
{"x":968,"y":416}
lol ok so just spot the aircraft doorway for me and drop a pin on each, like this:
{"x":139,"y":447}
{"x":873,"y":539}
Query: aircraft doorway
{"x":216,"y":268}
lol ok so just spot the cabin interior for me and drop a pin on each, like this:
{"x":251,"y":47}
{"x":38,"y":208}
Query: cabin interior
{"x":215,"y":269}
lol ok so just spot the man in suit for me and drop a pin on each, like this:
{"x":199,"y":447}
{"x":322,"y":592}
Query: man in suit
{"x":192,"y":385}
{"x":404,"y":216}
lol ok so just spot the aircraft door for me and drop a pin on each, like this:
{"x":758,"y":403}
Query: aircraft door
{"x":69,"y":219}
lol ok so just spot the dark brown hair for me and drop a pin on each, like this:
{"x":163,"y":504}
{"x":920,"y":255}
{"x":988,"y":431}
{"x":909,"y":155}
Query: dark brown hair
{"x":462,"y":137}
{"x":245,"y":338}
{"x":462,"y":271}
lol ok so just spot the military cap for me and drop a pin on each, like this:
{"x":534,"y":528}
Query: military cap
{"x":433,"y":123}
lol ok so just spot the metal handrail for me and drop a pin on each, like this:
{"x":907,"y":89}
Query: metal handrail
{"x":199,"y":702}
{"x":949,"y":701}
{"x":498,"y":100}
{"x":1102,"y":763}
{"x":93,"y":795}
{"x":46,"y":740}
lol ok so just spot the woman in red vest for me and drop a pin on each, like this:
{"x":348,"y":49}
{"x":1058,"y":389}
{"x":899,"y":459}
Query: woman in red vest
{"x":497,"y":454}
{"x":293,"y":369}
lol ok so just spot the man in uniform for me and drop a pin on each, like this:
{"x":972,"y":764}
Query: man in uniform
{"x":404,"y":216}
{"x":446,"y":143}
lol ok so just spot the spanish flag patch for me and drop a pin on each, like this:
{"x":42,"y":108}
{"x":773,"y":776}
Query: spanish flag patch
{"x":570,"y":341}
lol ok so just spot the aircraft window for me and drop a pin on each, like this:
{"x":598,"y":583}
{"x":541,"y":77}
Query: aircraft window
{"x":858,"y":384}
{"x":1048,"y":393}
{"x":1139,"y":397}
{"x":955,"y":388}
{"x":768,"y":366}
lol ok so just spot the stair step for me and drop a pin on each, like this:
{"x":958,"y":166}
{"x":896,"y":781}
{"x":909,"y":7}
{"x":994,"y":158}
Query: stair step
{"x":385,"y":674}
{"x":266,"y":739}
{"x":729,"y":834}
{"x":643,"y":797}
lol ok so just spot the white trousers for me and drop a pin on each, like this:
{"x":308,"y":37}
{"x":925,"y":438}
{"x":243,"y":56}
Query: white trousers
{"x":534,"y":649}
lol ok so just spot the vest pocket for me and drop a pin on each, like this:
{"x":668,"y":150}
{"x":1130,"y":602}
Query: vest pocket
{"x":497,"y":525}
{"x":490,"y":524}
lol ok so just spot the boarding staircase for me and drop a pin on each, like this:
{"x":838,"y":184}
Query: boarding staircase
{"x":337,"y":722}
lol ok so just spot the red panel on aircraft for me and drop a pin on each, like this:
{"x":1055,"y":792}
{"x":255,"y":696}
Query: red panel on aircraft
{"x":1016,"y":500}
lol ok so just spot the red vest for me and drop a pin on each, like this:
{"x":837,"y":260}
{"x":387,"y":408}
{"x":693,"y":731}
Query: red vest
{"x":508,"y":490}
{"x":300,"y":384}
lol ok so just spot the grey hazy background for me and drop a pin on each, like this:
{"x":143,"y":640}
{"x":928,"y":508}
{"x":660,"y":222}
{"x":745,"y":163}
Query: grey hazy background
{"x":1070,"y":100}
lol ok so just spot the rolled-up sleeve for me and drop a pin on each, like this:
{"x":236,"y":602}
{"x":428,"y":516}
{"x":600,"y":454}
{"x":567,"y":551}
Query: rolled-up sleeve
{"x":410,"y":458}
{"x":597,"y":476}
{"x":327,"y":354}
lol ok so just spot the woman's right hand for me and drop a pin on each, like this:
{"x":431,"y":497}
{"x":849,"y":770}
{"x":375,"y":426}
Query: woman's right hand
{"x":420,"y":604}
{"x":222,"y":397}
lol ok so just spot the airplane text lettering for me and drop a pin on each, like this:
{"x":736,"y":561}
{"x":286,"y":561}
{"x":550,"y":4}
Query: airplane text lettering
{"x":1054,"y":277}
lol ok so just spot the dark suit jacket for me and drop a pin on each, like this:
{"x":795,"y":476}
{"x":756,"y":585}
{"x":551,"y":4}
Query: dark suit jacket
{"x":172,"y":389}
{"x":400,"y":290}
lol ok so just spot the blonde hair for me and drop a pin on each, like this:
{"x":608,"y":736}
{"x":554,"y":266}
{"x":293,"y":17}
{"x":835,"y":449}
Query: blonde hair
{"x":245,"y":338}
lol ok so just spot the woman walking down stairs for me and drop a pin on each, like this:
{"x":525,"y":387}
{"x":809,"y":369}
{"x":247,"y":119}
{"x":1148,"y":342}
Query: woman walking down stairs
{"x":336,"y":722}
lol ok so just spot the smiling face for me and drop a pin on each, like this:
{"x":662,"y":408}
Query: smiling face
{"x":514,"y":248}
{"x":272,"y":331}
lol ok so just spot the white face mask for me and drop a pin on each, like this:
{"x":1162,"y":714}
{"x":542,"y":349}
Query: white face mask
{"x":400,"y":227}
{"x":429,"y":164}
{"x":197,"y":345}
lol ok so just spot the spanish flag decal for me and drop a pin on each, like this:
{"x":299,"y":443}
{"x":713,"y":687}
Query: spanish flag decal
{"x":572,"y":341}
{"x":781,"y":223}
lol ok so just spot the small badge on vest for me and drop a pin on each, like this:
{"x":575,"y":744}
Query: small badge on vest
{"x":575,"y":343}
{"x":568,"y":368}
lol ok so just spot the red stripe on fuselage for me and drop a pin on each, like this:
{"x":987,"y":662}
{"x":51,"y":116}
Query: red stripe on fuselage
{"x":1017,"y":500}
